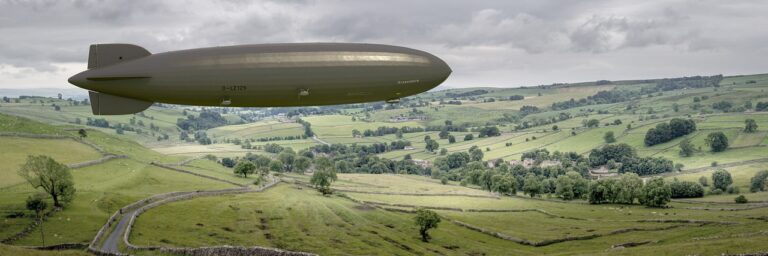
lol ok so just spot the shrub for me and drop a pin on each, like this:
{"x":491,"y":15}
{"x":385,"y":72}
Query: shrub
{"x":757,"y":183}
{"x":721,"y":179}
{"x":741,"y":199}
{"x":656,"y":193}
{"x":686,"y":189}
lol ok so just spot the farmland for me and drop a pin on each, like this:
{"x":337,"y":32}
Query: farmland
{"x":370,"y":213}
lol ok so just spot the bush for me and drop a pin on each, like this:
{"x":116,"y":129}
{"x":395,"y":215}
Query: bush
{"x":731,"y":189}
{"x":656,"y":193}
{"x":741,"y":199}
{"x":757,"y":183}
{"x":686,"y":189}
{"x":721,"y":179}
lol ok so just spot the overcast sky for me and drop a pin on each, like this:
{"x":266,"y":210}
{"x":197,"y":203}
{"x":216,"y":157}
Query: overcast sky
{"x":499,"y":43}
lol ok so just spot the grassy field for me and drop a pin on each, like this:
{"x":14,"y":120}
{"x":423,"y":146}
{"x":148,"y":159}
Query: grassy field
{"x":101,"y":189}
{"x":14,"y":151}
{"x":296,"y":218}
{"x":18,"y":251}
{"x":263,"y":129}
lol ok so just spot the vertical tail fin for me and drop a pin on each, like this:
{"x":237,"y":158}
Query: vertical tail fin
{"x":102,"y":55}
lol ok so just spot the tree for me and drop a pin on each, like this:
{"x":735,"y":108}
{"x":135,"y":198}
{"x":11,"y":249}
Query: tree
{"x":564,"y":187}
{"x":721,"y":179}
{"x":717,"y":141}
{"x":301,"y":164}
{"x":532,"y":186}
{"x":630,"y":187}
{"x":686,"y":148}
{"x":616,"y":152}
{"x":432,"y":145}
{"x":593,"y":123}
{"x":475,"y":154}
{"x":451,"y":139}
{"x":443,"y":134}
{"x":53,"y":177}
{"x":656,"y":193}
{"x":276,"y":166}
{"x":757,"y":183}
{"x":741,"y":199}
{"x":609,"y":138}
{"x":322,"y":180}
{"x":469,"y":137}
{"x":228,"y":162}
{"x":245,"y":167}
{"x":287,"y":157}
{"x":504,"y":184}
{"x":600,"y":191}
{"x":82,"y":133}
{"x":37,"y":204}
{"x":342,"y":166}
{"x":750,"y":125}
{"x":426,"y":220}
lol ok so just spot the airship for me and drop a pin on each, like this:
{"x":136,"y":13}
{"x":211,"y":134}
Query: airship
{"x":127,"y":79}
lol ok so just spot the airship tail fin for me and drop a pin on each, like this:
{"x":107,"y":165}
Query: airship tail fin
{"x":107,"y":104}
{"x":102,"y":55}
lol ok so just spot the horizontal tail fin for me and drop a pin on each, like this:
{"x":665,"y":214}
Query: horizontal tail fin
{"x":102,"y":55}
{"x":107,"y":104}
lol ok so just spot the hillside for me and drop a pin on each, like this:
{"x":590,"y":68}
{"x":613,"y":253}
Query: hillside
{"x":479,"y":141}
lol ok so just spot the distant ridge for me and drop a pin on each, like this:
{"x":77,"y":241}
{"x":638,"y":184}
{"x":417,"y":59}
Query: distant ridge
{"x":74,"y":93}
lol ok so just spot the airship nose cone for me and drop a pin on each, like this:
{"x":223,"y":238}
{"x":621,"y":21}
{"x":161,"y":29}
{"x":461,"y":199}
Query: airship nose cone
{"x":78,"y":80}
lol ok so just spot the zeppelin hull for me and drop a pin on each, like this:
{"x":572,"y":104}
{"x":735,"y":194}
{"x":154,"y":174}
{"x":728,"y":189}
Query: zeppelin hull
{"x":270,"y":75}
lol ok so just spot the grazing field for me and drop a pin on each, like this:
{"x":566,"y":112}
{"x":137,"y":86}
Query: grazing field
{"x":371,"y":214}
{"x":101,"y":189}
{"x":342,"y":126}
{"x":17,"y":251}
{"x":264,"y":129}
{"x":14,"y":152}
{"x":297,"y":218}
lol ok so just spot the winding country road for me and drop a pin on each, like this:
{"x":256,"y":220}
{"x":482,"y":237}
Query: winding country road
{"x":114,"y":239}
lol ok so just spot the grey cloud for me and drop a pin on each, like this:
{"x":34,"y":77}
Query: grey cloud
{"x":484,"y":40}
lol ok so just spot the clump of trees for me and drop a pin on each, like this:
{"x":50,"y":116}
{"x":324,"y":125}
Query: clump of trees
{"x":206,"y":120}
{"x":686,"y":189}
{"x":717,"y":141}
{"x":655,"y":193}
{"x":669,"y":84}
{"x":489,"y":131}
{"x":53,"y":177}
{"x":664,"y":132}
{"x":624,"y":190}
{"x":628,"y":189}
{"x":571,"y":186}
{"x":426,"y":220}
